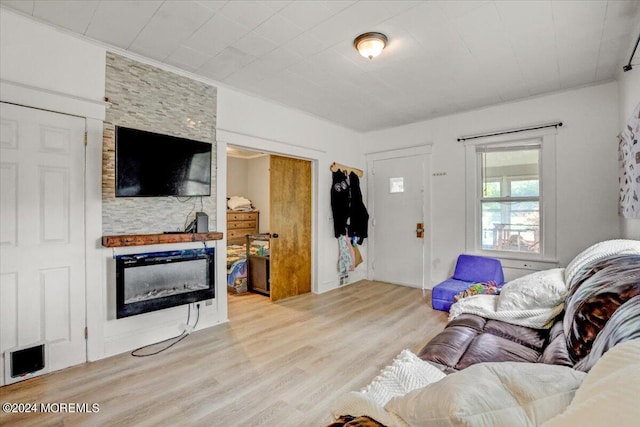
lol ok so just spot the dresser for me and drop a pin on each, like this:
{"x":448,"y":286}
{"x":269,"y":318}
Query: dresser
{"x":239,"y":224}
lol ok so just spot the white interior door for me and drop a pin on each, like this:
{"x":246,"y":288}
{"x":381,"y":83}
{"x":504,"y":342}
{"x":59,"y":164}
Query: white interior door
{"x":398,"y":206}
{"x":42,"y":273}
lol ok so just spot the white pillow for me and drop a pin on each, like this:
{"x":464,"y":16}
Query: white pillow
{"x":610,"y":392}
{"x":542,"y":289}
{"x":491,"y":394}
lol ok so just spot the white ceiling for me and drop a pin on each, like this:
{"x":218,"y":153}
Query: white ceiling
{"x":443,"y":56}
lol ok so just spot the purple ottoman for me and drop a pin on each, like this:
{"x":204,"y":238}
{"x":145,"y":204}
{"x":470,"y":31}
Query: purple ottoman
{"x":470,"y":269}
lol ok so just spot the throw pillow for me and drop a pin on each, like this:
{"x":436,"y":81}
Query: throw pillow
{"x":491,"y":394}
{"x":542,"y":289}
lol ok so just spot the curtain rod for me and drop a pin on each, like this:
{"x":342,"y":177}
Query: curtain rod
{"x":550,"y":125}
{"x":629,"y":66}
{"x":348,"y":169}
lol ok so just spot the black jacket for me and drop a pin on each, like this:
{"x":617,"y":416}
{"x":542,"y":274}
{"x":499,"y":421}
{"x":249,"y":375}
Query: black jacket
{"x":358,"y":215}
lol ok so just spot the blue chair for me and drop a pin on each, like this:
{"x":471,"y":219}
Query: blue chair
{"x":470,"y":269}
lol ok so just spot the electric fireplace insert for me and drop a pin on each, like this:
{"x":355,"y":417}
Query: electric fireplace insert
{"x":158,"y":280}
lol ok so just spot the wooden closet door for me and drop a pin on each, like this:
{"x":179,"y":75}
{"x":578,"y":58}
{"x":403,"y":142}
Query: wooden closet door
{"x":290,"y":220}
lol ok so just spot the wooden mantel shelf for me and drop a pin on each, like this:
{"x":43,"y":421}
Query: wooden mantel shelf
{"x":153,"y":239}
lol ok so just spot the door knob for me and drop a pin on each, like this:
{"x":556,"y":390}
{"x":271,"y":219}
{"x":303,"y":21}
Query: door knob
{"x":274,"y":235}
{"x":420,"y":230}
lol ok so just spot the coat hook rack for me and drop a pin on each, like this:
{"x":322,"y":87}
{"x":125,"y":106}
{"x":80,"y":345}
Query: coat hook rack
{"x":347,"y":169}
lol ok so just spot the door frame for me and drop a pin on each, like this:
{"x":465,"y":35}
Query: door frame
{"x":423,"y":151}
{"x":280,"y":148}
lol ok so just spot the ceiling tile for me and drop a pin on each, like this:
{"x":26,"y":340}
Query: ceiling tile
{"x":25,"y":6}
{"x":455,"y":9}
{"x":578,"y":23}
{"x":225,"y":63}
{"x":307,"y":14}
{"x":73,"y":15}
{"x":187,"y":58}
{"x":110,"y":25}
{"x":356,"y":19}
{"x":248,"y":13}
{"x":215,"y":35}
{"x":306,"y":45}
{"x":248,"y":77}
{"x":255,"y":45}
{"x":483,"y":33}
{"x":527,"y":23}
{"x":278,"y":29}
{"x":212,"y":5}
{"x":429,"y":26}
{"x":336,"y":6}
{"x":277,"y":60}
{"x":576,"y":75}
{"x":172,"y":24}
{"x":620,"y":18}
{"x":612,"y":56}
{"x":277,"y":5}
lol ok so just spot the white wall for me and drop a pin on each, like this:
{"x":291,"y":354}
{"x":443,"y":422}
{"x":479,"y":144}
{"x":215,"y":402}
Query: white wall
{"x":258,"y":189}
{"x":40,"y":57}
{"x":250,"y":122}
{"x":250,"y":178}
{"x":587,"y":188}
{"x":237,"y":184}
{"x":629,"y":90}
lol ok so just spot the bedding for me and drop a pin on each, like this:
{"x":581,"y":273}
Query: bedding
{"x":609,"y":393}
{"x":596,"y":252}
{"x":239,"y":203}
{"x":533,"y":301}
{"x":491,"y":394}
{"x":236,"y":269}
{"x":503,"y":394}
{"x":599,"y":290}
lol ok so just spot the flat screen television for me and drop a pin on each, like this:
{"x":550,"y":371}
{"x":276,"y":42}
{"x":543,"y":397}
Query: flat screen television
{"x":149,"y":164}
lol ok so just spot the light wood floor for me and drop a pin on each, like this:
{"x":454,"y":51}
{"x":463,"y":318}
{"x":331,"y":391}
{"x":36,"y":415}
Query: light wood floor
{"x":274,"y":364}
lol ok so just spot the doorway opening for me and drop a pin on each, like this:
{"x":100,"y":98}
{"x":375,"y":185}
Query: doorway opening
{"x":269,"y":236}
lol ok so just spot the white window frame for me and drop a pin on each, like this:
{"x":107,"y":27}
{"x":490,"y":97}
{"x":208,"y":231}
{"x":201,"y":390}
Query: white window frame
{"x":546,"y":139}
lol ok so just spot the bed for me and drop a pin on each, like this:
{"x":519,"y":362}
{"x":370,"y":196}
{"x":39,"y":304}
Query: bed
{"x":243,"y":276}
{"x":236,"y":269}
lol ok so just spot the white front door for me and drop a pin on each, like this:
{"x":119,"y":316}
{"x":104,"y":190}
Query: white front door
{"x":42,"y":257}
{"x":399,"y":185}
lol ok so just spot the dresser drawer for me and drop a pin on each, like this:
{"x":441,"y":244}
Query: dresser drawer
{"x":232,"y":225}
{"x":233,"y":234}
{"x":242,"y":216}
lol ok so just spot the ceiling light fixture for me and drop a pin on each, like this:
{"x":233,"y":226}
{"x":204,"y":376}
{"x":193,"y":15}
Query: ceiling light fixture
{"x":370,"y":44}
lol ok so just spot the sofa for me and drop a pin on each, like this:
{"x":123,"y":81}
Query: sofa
{"x":600,"y":296}
{"x":520,"y":357}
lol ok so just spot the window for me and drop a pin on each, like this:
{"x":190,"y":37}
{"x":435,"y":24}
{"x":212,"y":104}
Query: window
{"x":510,"y":190}
{"x":396,"y":185}
{"x":510,"y":198}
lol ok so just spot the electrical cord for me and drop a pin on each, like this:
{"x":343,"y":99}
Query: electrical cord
{"x":193,"y":208}
{"x":177,"y":338}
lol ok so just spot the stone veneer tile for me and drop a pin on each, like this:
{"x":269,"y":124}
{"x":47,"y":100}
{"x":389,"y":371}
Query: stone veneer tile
{"x":148,"y":98}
